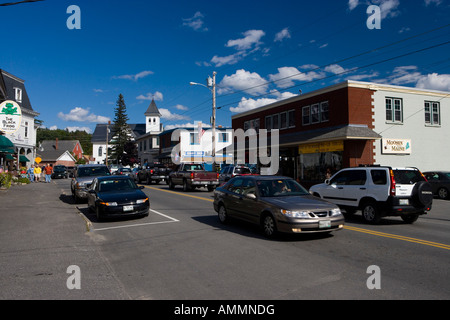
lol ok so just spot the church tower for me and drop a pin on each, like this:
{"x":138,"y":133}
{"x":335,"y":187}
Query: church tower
{"x":152,"y":118}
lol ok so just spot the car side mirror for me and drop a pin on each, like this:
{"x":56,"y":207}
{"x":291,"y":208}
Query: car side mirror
{"x":327,"y":181}
{"x":251,"y":196}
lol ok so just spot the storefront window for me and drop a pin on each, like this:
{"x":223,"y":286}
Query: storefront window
{"x":316,"y":167}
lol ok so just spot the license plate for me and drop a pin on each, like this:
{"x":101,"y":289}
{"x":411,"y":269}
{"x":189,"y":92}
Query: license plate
{"x":127,"y":208}
{"x":324,"y":224}
{"x":404,"y":202}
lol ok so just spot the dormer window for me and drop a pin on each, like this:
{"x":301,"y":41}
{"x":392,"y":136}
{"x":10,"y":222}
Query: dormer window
{"x":18,"y":95}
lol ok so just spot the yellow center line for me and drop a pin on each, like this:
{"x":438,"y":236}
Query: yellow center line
{"x":367,"y":231}
{"x":398,"y":237}
{"x":180,"y":194}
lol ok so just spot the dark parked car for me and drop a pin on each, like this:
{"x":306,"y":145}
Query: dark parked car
{"x":60,"y":171}
{"x":124,"y":171}
{"x":277,"y":204}
{"x":83,"y":177}
{"x":440,"y":182}
{"x":117,"y":196}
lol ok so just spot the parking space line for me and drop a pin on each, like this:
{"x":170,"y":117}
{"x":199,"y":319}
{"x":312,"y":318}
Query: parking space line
{"x":141,"y":224}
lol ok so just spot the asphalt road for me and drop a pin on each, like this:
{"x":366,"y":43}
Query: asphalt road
{"x":182,"y":252}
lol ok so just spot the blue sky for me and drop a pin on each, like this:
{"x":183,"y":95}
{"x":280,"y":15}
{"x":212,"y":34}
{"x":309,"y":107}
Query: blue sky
{"x":262,"y":51}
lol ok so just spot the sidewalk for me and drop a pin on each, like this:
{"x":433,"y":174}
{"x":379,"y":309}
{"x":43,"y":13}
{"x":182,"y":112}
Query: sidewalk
{"x":41,"y":235}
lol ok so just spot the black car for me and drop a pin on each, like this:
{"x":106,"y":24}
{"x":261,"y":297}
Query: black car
{"x":440,"y":182}
{"x":60,"y":171}
{"x":117,"y":196}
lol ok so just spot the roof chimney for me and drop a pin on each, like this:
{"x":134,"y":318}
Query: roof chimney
{"x":56,"y":144}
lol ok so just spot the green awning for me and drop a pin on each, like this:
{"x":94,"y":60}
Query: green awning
{"x":6,"y":145}
{"x":22,"y":158}
{"x":9,"y":157}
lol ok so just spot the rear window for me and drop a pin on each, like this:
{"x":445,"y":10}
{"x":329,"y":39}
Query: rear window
{"x":407,"y":176}
{"x":242,"y":170}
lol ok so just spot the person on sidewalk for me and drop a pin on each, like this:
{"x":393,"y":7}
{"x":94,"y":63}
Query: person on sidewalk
{"x":30,"y":173}
{"x":48,"y":173}
{"x":37,"y":173}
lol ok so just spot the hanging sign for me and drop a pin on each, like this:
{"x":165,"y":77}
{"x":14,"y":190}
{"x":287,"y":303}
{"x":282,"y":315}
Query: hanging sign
{"x":10,"y":116}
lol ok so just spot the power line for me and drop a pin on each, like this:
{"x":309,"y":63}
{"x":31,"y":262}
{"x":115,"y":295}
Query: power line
{"x":356,"y":68}
{"x":19,"y":2}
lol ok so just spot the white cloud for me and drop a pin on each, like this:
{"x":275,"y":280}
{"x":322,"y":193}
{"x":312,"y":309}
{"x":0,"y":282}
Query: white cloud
{"x":434,"y":81}
{"x":82,"y":115}
{"x":323,"y":46}
{"x":134,"y":77}
{"x":286,"y":76}
{"x":252,"y":83}
{"x":283,"y":34}
{"x":72,"y":129}
{"x":244,"y":46}
{"x":388,"y":8}
{"x":251,"y":38}
{"x":98,"y":91}
{"x":436,"y":2}
{"x":410,"y":75}
{"x":158,"y":96}
{"x":181,"y":107}
{"x":196,"y":22}
{"x":352,"y":4}
{"x":250,"y":104}
{"x":334,"y":68}
{"x":231,"y":59}
{"x":168,"y":115}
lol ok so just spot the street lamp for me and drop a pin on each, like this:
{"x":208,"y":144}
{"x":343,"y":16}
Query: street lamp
{"x":211,"y":85}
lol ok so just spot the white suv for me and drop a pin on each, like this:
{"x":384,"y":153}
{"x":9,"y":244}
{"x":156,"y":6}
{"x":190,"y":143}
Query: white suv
{"x":378,"y":191}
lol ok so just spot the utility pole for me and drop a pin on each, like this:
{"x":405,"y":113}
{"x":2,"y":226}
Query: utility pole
{"x":214,"y":115}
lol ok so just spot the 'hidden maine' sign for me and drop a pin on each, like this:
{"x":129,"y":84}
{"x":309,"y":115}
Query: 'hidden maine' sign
{"x":10,"y":116}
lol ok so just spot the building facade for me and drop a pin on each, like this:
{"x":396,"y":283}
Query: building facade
{"x":354,"y":123}
{"x":24,"y":139}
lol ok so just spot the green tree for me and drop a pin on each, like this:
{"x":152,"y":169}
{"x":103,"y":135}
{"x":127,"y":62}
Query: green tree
{"x":122,"y":132}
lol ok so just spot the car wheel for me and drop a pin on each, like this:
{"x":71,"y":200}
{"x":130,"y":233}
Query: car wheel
{"x":268,"y":225}
{"x":410,"y":218}
{"x":423,"y":194}
{"x":222,"y":214}
{"x":371,"y":213}
{"x":185,"y":186}
{"x":171,"y":185}
{"x":443,"y":193}
{"x":149,"y":181}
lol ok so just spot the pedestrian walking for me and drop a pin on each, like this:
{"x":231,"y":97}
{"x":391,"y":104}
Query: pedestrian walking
{"x":37,"y":173}
{"x":48,"y":173}
{"x":30,"y":173}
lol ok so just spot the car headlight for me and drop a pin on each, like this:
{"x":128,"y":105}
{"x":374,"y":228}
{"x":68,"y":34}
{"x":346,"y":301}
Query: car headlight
{"x":336,"y":212}
{"x":80,"y":185}
{"x":296,"y":214}
{"x":139,"y":201}
{"x":109,"y":204}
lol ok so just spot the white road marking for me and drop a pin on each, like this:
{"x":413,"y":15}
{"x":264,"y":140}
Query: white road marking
{"x":141,"y":224}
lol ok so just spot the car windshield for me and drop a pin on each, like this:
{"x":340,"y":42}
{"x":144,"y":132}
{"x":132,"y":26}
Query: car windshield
{"x":280,"y":188}
{"x":93,"y":171}
{"x":114,"y":185}
{"x":403,"y":176}
{"x":193,"y":167}
{"x":59,"y":168}
{"x":242,"y":170}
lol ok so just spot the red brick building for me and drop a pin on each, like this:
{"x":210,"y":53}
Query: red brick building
{"x":326,"y":129}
